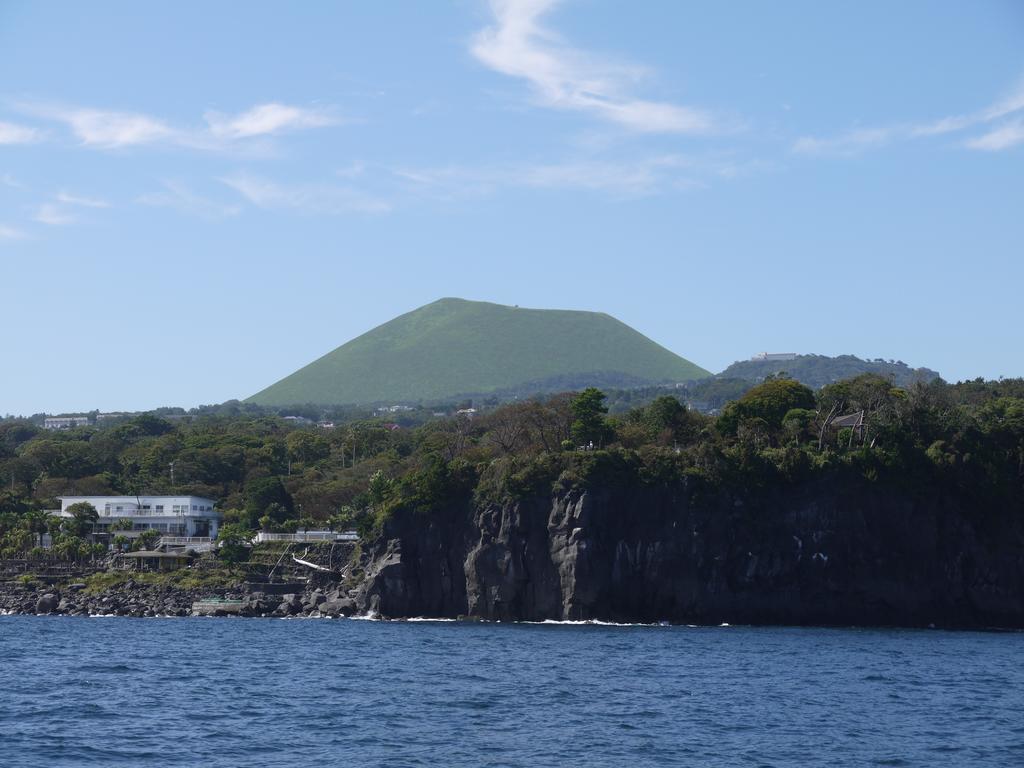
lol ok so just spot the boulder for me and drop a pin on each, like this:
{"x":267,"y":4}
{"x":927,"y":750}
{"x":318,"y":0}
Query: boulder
{"x":289,"y":606}
{"x":341,"y":607}
{"x":314,"y":601}
{"x":48,"y":603}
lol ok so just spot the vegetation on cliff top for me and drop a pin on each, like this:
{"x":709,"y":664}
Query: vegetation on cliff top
{"x":966,"y":440}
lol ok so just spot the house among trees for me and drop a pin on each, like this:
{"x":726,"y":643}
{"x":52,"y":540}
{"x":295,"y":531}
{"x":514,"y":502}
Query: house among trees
{"x":192,"y":516}
{"x":854,"y":421}
{"x":143,"y":560}
{"x":65,"y":422}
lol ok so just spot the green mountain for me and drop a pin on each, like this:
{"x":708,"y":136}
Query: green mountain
{"x":818,"y":370}
{"x":454,"y":347}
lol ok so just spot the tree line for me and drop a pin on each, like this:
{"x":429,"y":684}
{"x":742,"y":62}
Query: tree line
{"x":268,"y":473}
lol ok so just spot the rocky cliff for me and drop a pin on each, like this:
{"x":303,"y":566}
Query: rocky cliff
{"x":823,"y":553}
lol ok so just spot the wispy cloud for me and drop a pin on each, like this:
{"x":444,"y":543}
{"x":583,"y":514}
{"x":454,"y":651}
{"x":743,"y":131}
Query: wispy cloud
{"x":109,"y":129}
{"x":11,"y":233}
{"x":848,"y":143}
{"x":8,"y":180}
{"x":58,"y":212}
{"x":1008,"y":135}
{"x":179,"y":197}
{"x":563,"y":77}
{"x":12,"y":133}
{"x":305,"y":198}
{"x":266,"y":119}
{"x":113,"y":129}
{"x":636,"y":177}
{"x":85,"y":202}
{"x":53,"y":215}
{"x":1004,"y":136}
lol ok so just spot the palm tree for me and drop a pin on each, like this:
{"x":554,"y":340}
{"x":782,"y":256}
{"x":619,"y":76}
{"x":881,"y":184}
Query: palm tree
{"x":36,"y":522}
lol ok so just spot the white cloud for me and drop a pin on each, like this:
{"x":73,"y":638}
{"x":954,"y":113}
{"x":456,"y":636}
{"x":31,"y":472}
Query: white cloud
{"x":563,"y":77}
{"x":11,"y":133}
{"x":85,"y":202}
{"x":265,"y":119}
{"x":1005,"y":136}
{"x":8,"y":180}
{"x":10,"y":233}
{"x":621,"y":178}
{"x":846,"y":144}
{"x":53,"y":215}
{"x":179,"y":197}
{"x":110,"y":130}
{"x":305,"y":198}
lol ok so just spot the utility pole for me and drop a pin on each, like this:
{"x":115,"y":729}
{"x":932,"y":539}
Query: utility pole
{"x":172,"y":473}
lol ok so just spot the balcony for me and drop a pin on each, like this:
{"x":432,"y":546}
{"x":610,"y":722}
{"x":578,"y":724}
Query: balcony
{"x":134,"y":512}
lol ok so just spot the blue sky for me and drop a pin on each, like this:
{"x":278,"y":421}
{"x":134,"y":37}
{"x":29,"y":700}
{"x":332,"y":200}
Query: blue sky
{"x":198,"y":198}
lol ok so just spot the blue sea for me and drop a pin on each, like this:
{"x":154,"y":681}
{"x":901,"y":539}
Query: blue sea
{"x":236,"y":692}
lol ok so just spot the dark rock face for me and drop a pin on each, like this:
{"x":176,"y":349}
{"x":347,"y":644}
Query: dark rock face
{"x":841,"y":553}
{"x":827,"y":554}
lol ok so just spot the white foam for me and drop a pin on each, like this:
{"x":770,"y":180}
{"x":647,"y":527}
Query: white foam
{"x":586,"y":623}
{"x":371,"y":616}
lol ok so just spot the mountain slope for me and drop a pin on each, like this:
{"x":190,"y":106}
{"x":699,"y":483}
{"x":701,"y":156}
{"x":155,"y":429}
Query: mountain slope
{"x":453,"y":347}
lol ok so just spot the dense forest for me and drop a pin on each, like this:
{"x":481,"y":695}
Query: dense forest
{"x":267,"y":472}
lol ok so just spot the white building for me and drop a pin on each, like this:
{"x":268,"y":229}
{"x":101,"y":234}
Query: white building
{"x":775,"y":356}
{"x":174,"y":515}
{"x":307,"y":537}
{"x":65,"y":422}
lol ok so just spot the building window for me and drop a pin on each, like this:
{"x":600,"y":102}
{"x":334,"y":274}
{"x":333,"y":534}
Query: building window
{"x":159,"y":509}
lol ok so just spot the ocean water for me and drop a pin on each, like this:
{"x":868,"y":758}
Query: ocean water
{"x":235,"y":692}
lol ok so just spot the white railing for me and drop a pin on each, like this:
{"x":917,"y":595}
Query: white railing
{"x":184,"y":541}
{"x":155,"y":513}
{"x":305,"y":537}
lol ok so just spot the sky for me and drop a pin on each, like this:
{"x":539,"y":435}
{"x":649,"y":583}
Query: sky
{"x":196,"y":199}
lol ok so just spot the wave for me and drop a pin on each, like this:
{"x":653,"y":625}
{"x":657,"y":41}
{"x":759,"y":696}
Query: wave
{"x":591,"y":623}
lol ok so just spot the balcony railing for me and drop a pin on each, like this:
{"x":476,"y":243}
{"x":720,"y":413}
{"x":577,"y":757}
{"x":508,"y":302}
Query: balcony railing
{"x":157,"y":513}
{"x":308,"y":536}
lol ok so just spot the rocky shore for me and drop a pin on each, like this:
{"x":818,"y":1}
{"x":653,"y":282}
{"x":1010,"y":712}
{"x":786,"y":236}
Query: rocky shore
{"x":145,"y":600}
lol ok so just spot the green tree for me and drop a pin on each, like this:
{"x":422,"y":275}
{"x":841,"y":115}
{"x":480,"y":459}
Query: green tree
{"x":769,"y":401}
{"x":260,"y":494}
{"x":307,"y":447}
{"x":381,"y":487}
{"x":35,"y":521}
{"x":233,"y":541}
{"x":589,"y":424}
{"x":83,"y":517}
